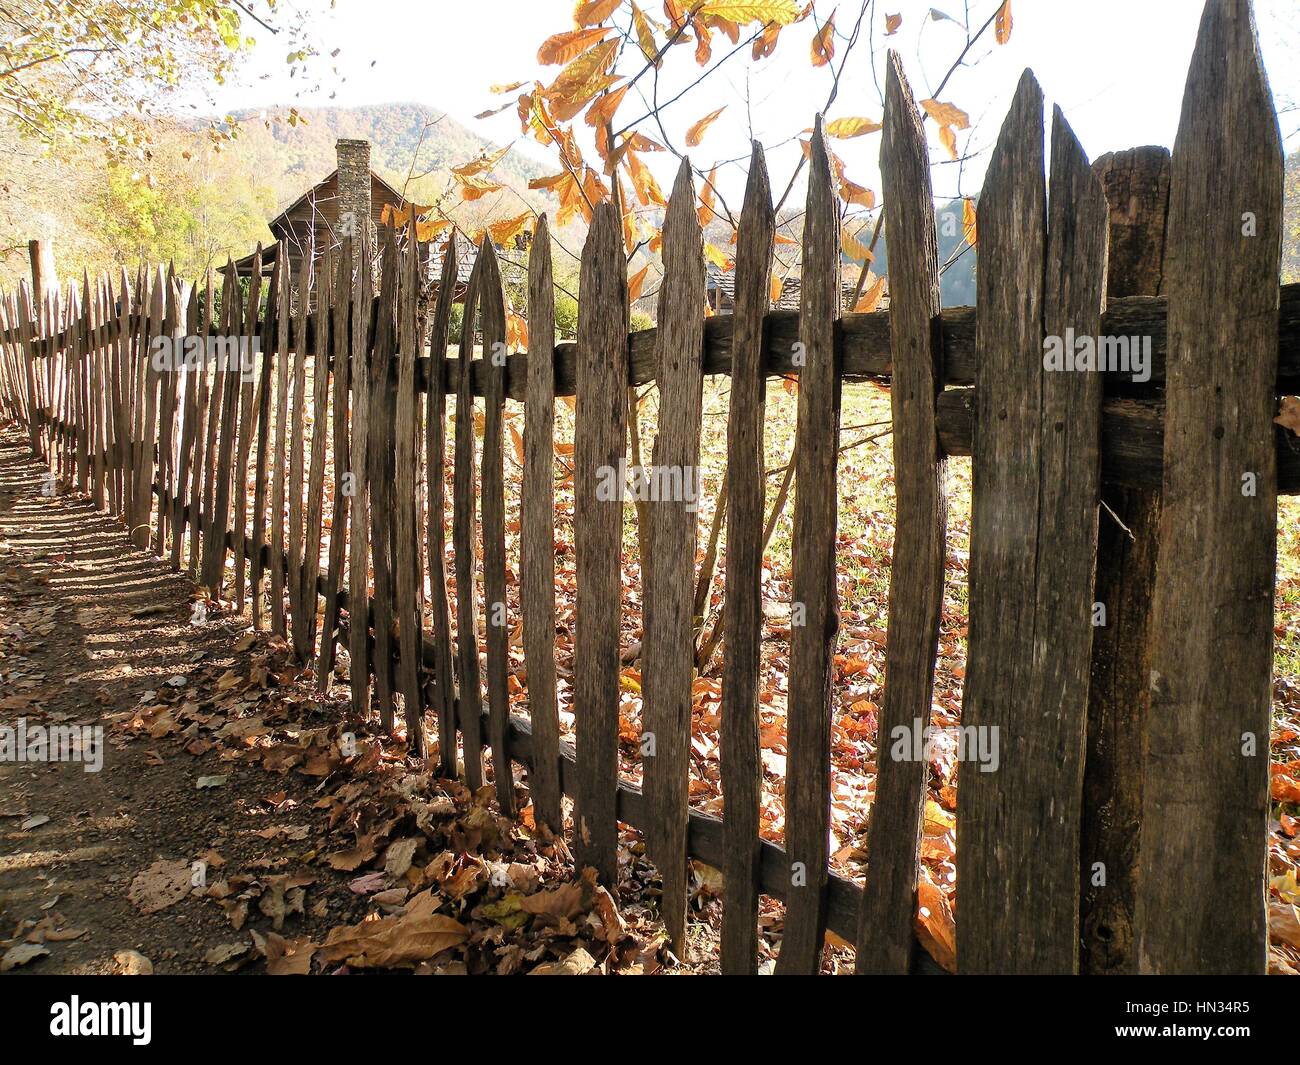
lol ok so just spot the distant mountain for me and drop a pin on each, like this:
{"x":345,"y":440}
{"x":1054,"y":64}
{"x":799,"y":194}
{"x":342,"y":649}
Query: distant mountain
{"x":405,"y":138}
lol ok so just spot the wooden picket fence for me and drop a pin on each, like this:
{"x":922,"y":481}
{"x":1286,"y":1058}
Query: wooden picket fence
{"x":214,"y":466}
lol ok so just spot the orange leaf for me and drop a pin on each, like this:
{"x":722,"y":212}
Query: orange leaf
{"x":1002,"y":23}
{"x":774,"y":288}
{"x":871,"y":298}
{"x":602,"y":111}
{"x":636,"y":283}
{"x":703,"y":43}
{"x":851,"y":192}
{"x":706,"y":212}
{"x":968,"y":220}
{"x":892,"y":22}
{"x":935,"y":927}
{"x":854,"y":248}
{"x":696,"y":133}
{"x":946,"y":114}
{"x":549,"y":182}
{"x":765,"y":44}
{"x":507,"y":229}
{"x":482,"y":163}
{"x":643,"y":182}
{"x":949,"y":140}
{"x":562,"y":47}
{"x":843,"y":128}
{"x":645,"y":37}
{"x":474,"y":188}
{"x":823,"y":43}
{"x":595,"y":12}
{"x":426,"y":231}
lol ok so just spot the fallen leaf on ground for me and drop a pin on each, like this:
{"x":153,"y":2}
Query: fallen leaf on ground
{"x":131,"y":963}
{"x":163,"y":884}
{"x":21,"y":955}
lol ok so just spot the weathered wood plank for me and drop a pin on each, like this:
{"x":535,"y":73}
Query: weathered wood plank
{"x":442,"y":687}
{"x":188,"y":406}
{"x":314,"y":521}
{"x":98,"y":394}
{"x":380,"y":453}
{"x":204,"y":436}
{"x":600,"y":433}
{"x":168,"y":381}
{"x":885,"y":936}
{"x":263,"y":404}
{"x":493,"y":318}
{"x":742,"y":605}
{"x":408,"y":575}
{"x":148,"y":378}
{"x":282,"y":380}
{"x":669,"y":650}
{"x":1202,"y":865}
{"x":294,"y":487}
{"x":537,"y":534}
{"x":1032,"y":547}
{"x":1136,"y":184}
{"x":468,"y":684}
{"x":815,"y":609}
{"x":359,"y":530}
{"x":248,"y":416}
{"x":343,"y":483}
{"x":219,"y":522}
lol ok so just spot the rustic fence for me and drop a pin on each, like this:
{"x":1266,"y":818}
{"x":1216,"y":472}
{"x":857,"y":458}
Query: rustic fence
{"x":205,"y":463}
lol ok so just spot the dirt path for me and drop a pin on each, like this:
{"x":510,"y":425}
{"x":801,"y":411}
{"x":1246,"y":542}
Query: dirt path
{"x":308,"y":825}
{"x":91,"y":627}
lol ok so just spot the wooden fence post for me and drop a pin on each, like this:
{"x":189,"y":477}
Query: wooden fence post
{"x":1136,"y":184}
{"x":885,"y":936}
{"x":537,"y":534}
{"x":1202,"y":863}
{"x":443,"y":684}
{"x":669,"y":652}
{"x":742,"y":606}
{"x":493,"y":526}
{"x":814,"y":620}
{"x":1036,"y":472}
{"x":599,"y":444}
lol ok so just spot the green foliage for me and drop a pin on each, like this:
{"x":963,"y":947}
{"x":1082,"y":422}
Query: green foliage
{"x":566,"y":316}
{"x":79,"y":69}
{"x":640,"y":320}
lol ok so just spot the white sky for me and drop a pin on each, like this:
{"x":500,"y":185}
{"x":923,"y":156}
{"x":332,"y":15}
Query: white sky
{"x":1116,"y":67}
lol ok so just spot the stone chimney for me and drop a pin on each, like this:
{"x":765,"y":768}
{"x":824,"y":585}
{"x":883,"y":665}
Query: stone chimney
{"x":354,"y":189}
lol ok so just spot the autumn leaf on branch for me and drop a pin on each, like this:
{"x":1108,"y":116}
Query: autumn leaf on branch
{"x":854,"y":248}
{"x":782,"y":12}
{"x":567,"y":46}
{"x":595,"y":12}
{"x":948,"y":117}
{"x":968,"y":220}
{"x":696,"y":133}
{"x":844,"y":128}
{"x":892,"y":22}
{"x":871,"y":298}
{"x":1002,"y":23}
{"x":823,"y":43}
